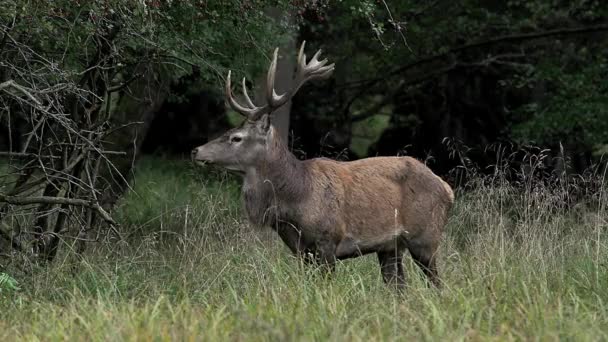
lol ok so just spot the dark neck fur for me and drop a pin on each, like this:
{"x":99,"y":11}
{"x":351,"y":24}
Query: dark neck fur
{"x":270,"y":189}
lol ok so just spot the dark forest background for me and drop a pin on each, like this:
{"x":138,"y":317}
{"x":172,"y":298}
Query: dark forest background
{"x":423,"y":78}
{"x":452,"y":83}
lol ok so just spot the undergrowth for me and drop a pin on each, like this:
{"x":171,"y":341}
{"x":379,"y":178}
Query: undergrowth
{"x":517,"y":263}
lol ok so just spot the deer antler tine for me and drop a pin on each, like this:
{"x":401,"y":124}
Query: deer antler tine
{"x":302,"y":64}
{"x":246,"y":95}
{"x":321,"y":73}
{"x":272,"y":97}
{"x":312,"y":70}
{"x":228,"y":91}
{"x":235,"y":105}
{"x":316,"y":55}
{"x":301,"y":55}
{"x":278,"y":100}
{"x":325,"y":72}
{"x":314,"y":63}
{"x":272,"y":69}
{"x":320,"y":64}
{"x":328,"y":67}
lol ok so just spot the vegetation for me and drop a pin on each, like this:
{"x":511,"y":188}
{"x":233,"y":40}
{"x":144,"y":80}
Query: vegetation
{"x":79,"y":83}
{"x":516,"y":265}
{"x":517,"y":71}
{"x":462,"y":85}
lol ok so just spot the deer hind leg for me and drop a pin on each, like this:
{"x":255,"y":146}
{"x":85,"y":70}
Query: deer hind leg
{"x":391,"y":267}
{"x":425,"y":257}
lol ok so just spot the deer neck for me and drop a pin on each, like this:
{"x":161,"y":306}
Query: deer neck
{"x":271,"y":188}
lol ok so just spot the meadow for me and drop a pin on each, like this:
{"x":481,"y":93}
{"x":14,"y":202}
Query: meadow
{"x":516,"y":263}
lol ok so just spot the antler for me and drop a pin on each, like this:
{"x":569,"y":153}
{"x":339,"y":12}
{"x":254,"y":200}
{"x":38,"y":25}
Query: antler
{"x":313,"y":70}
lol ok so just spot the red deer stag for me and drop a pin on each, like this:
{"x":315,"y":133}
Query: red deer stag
{"x":328,"y":209}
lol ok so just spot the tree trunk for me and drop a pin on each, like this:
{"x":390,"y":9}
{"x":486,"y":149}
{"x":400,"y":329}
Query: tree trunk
{"x":284,"y":77}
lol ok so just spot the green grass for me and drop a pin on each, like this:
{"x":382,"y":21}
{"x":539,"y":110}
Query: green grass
{"x":192,"y":269}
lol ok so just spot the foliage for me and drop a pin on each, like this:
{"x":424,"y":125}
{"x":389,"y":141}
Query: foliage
{"x":575,"y":110}
{"x":80,"y":77}
{"x":367,"y":132}
{"x":154,"y":193}
{"x":479,"y":72}
{"x":8,"y":284}
{"x":211,"y":35}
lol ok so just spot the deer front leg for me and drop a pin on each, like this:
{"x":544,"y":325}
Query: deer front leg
{"x":326,"y":254}
{"x":292,"y":237}
{"x":322,"y":251}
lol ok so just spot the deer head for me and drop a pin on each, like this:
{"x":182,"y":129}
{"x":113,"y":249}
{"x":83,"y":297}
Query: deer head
{"x":249,"y":144}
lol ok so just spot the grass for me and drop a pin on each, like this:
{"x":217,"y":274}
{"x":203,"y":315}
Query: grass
{"x":516,"y":266}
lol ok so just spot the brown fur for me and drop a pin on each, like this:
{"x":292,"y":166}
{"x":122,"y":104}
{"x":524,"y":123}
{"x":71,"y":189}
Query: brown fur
{"x":325,"y":209}
{"x":337,"y":210}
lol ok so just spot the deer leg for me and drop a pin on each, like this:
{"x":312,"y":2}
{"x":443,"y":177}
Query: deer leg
{"x":424,"y":257}
{"x":326,"y":254}
{"x":391,"y":267}
{"x":292,"y":237}
{"x":294,"y":240}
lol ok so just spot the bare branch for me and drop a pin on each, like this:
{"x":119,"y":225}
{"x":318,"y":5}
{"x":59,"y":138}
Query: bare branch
{"x":17,"y":200}
{"x":124,"y":84}
{"x":24,"y":155}
{"x":24,"y":90}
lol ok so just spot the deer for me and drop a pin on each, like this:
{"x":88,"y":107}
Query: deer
{"x":326,"y":210}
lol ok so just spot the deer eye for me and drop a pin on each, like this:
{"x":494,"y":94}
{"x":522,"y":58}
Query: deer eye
{"x":235,"y":139}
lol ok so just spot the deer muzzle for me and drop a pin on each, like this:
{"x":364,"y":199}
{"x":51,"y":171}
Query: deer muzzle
{"x":199,"y":156}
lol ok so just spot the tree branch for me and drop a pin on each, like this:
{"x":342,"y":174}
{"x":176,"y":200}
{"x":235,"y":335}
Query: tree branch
{"x":427,"y":76}
{"x":24,"y":90}
{"x":25,"y":155}
{"x":488,"y":42}
{"x":124,"y":84}
{"x":17,"y":200}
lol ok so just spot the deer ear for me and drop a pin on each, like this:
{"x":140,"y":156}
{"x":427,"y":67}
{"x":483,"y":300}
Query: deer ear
{"x":264,"y":123}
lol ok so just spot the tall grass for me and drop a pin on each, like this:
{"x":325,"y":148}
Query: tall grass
{"x":516,"y":264}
